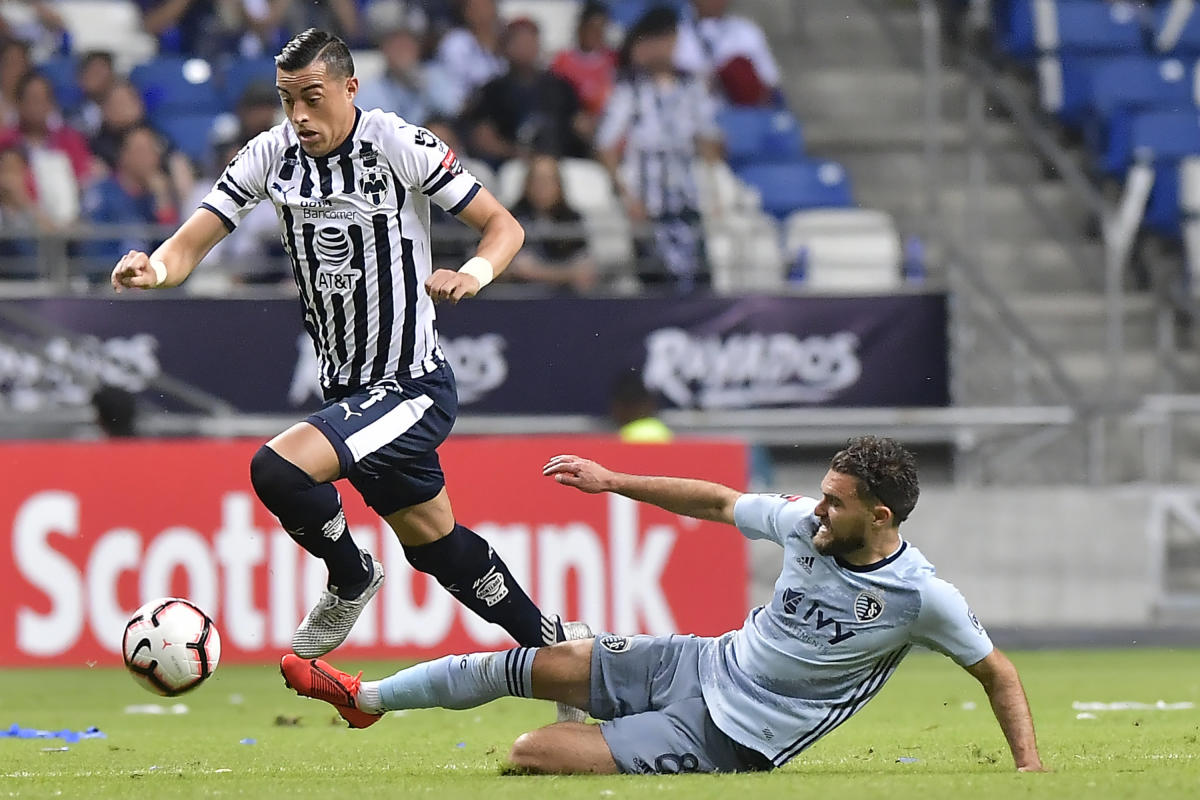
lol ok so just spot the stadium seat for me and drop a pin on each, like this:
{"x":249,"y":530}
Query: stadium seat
{"x":60,"y":70}
{"x":1166,"y":136}
{"x":1121,"y":88}
{"x":176,"y":83}
{"x":191,"y":134}
{"x":785,"y":188}
{"x":556,"y":20}
{"x":744,"y":252}
{"x":111,"y":25}
{"x":845,"y":249}
{"x":757,"y":135}
{"x":1163,"y":214}
{"x":242,"y":72}
{"x":1071,"y":26}
{"x":626,"y":12}
{"x":588,"y":190}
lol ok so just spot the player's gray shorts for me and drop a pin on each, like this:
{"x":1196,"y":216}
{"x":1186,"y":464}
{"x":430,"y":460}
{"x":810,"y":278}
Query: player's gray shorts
{"x":647,"y":688}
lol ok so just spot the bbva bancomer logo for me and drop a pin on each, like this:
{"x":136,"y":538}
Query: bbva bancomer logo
{"x":749,"y":369}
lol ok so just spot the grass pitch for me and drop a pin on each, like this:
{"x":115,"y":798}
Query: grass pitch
{"x":930,"y":711}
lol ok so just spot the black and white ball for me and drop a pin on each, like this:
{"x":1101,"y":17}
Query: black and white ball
{"x":171,"y":646}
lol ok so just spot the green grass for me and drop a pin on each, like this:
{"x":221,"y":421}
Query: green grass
{"x":443,"y":754}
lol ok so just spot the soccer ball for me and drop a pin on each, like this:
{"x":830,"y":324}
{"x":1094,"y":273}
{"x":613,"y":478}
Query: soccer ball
{"x":171,"y":646}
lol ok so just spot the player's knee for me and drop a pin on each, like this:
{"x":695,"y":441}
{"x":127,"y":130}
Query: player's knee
{"x":275,"y":479}
{"x":528,"y":752}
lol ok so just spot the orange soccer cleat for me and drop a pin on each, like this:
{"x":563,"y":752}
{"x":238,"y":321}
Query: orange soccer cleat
{"x":321,"y":681}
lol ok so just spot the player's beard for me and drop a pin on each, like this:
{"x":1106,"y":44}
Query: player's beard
{"x":828,"y":543}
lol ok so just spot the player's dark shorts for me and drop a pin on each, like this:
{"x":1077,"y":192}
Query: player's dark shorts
{"x":647,"y":691}
{"x":386,"y":436}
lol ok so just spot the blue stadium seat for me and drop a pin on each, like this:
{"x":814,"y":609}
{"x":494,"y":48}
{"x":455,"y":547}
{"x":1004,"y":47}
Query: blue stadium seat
{"x":758,"y":135}
{"x":1123,"y":87}
{"x":1077,"y":73}
{"x":1079,"y":26}
{"x":801,"y":184}
{"x":626,"y":12}
{"x":1166,"y":136}
{"x":188,"y":133}
{"x":1163,"y":214}
{"x":60,"y":70}
{"x":242,"y":72}
{"x":176,"y":83}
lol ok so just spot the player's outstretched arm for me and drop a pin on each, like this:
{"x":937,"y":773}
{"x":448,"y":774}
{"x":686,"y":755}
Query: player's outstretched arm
{"x":174,"y":259}
{"x":692,"y":498}
{"x":1007,"y":696}
{"x":502,"y":238}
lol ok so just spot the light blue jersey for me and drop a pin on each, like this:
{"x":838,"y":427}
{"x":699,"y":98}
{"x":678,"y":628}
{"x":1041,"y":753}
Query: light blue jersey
{"x":829,"y":639}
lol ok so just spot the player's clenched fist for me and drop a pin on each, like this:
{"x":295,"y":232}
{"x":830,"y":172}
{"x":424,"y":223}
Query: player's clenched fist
{"x":133,"y":271}
{"x":446,"y":284}
{"x":585,"y":475}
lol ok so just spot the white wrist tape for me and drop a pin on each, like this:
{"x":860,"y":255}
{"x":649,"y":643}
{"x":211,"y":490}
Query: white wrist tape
{"x":160,"y":271}
{"x":480,"y":269}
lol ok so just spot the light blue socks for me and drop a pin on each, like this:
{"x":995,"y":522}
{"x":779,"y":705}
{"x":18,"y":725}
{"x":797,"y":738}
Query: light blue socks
{"x":454,"y":682}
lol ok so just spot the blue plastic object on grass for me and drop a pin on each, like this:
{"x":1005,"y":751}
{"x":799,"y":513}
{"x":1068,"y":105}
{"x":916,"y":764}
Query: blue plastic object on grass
{"x":15,"y":731}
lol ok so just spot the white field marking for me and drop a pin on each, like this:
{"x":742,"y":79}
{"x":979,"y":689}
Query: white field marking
{"x":1129,"y":705}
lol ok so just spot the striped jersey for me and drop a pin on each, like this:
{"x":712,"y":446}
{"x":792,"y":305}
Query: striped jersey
{"x":829,"y":639}
{"x":658,"y":124}
{"x":355,"y":224}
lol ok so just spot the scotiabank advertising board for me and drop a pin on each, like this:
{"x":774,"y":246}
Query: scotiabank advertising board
{"x":95,"y":529}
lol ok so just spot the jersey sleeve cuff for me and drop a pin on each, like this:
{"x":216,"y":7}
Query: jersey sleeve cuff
{"x":226,"y":221}
{"x":461,"y":204}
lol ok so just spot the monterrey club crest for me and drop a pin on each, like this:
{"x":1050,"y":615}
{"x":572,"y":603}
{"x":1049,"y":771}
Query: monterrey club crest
{"x":867,"y":606}
{"x":373,"y":185}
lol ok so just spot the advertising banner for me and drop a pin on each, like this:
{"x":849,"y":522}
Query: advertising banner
{"x":552,"y":356}
{"x":95,"y":529}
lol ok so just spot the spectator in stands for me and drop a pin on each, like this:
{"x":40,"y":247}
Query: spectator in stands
{"x":274,"y":21}
{"x":414,"y":90}
{"x":656,"y":123}
{"x":730,"y":51}
{"x":184,"y":27}
{"x":15,"y":64}
{"x":526,"y":109}
{"x":138,"y":192}
{"x":635,"y":411}
{"x":116,"y":411}
{"x":96,"y":79}
{"x":40,"y":126}
{"x":257,"y":110}
{"x":19,"y":212}
{"x":592,"y":66}
{"x":44,"y":32}
{"x":551,"y":256}
{"x":121,"y":109}
{"x":470,"y":55}
{"x":256,"y":254}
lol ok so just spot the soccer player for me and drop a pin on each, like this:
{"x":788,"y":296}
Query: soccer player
{"x":852,"y":598}
{"x":352,"y":190}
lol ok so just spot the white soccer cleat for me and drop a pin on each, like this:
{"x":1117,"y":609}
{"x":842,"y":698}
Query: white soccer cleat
{"x":330,"y":621}
{"x":570,"y":632}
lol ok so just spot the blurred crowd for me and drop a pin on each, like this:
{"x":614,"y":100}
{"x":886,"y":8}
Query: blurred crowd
{"x":641,"y":99}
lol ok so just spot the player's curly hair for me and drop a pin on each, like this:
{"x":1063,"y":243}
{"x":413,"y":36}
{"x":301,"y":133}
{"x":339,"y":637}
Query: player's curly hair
{"x":885,"y":470}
